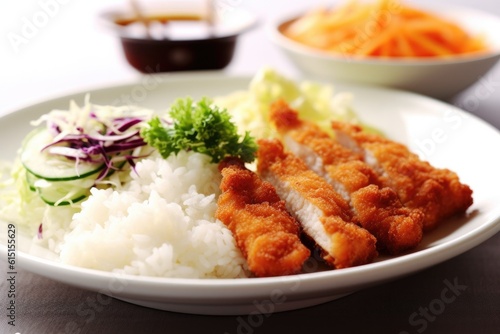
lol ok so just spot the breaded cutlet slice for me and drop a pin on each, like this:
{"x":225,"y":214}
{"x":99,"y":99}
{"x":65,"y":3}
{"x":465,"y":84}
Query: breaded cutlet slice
{"x":324,"y":215}
{"x":437,"y":192}
{"x":267,"y":235}
{"x":377,"y":209}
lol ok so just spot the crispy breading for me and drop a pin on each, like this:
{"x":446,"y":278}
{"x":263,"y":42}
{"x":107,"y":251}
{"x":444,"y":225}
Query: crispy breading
{"x":321,"y":152}
{"x":396,"y":227}
{"x":266,"y":233}
{"x":325,"y":216}
{"x":377,"y":209}
{"x":437,"y":192}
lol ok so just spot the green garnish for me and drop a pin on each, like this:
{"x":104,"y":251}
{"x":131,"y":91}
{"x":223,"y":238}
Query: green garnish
{"x":201,"y":127}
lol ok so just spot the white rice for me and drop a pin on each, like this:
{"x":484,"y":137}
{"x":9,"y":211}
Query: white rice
{"x":160,"y":224}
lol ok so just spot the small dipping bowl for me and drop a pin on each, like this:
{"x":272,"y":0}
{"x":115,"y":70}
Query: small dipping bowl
{"x":178,"y":36}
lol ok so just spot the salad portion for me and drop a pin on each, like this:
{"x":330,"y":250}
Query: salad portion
{"x":79,"y":149}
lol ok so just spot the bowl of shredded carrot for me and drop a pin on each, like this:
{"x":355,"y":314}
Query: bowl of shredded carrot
{"x":437,"y":51}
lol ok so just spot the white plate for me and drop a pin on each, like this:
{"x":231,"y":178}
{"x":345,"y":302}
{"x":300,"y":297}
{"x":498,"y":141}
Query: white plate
{"x":442,"y":133}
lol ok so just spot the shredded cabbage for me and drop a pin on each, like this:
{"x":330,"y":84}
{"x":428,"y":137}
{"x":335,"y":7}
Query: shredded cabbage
{"x":18,"y":204}
{"x":314,"y":101}
{"x":91,"y":119}
{"x":96,"y":134}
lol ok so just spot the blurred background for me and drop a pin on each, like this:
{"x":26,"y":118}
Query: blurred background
{"x":64,"y":49}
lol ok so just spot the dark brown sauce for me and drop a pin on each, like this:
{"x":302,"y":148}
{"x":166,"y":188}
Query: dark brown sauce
{"x":149,"y":56}
{"x":163,"y":19}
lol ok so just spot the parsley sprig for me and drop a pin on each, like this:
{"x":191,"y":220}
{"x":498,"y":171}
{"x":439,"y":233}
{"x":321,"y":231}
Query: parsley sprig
{"x":201,"y":127}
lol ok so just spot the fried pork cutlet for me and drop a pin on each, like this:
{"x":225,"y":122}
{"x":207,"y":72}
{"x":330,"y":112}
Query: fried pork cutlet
{"x":325,"y":216}
{"x":379,"y":210}
{"x":437,"y":192}
{"x":266,"y":233}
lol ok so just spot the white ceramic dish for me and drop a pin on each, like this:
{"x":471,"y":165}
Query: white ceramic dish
{"x":438,"y":78}
{"x":442,"y":133}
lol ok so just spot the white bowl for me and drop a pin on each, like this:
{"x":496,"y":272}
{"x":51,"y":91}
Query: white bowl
{"x":438,"y":78}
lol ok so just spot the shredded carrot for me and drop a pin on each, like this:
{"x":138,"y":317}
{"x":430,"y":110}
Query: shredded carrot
{"x":384,"y":28}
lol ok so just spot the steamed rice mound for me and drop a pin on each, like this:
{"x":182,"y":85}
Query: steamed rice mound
{"x":160,"y":224}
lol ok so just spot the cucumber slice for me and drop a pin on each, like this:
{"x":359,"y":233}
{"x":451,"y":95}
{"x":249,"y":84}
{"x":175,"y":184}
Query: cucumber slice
{"x":57,"y":193}
{"x":52,"y":167}
{"x":31,"y":179}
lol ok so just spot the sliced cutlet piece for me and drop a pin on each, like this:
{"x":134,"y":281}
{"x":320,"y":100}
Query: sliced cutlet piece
{"x":325,"y":216}
{"x":267,"y":235}
{"x":437,"y":192}
{"x":377,"y":209}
